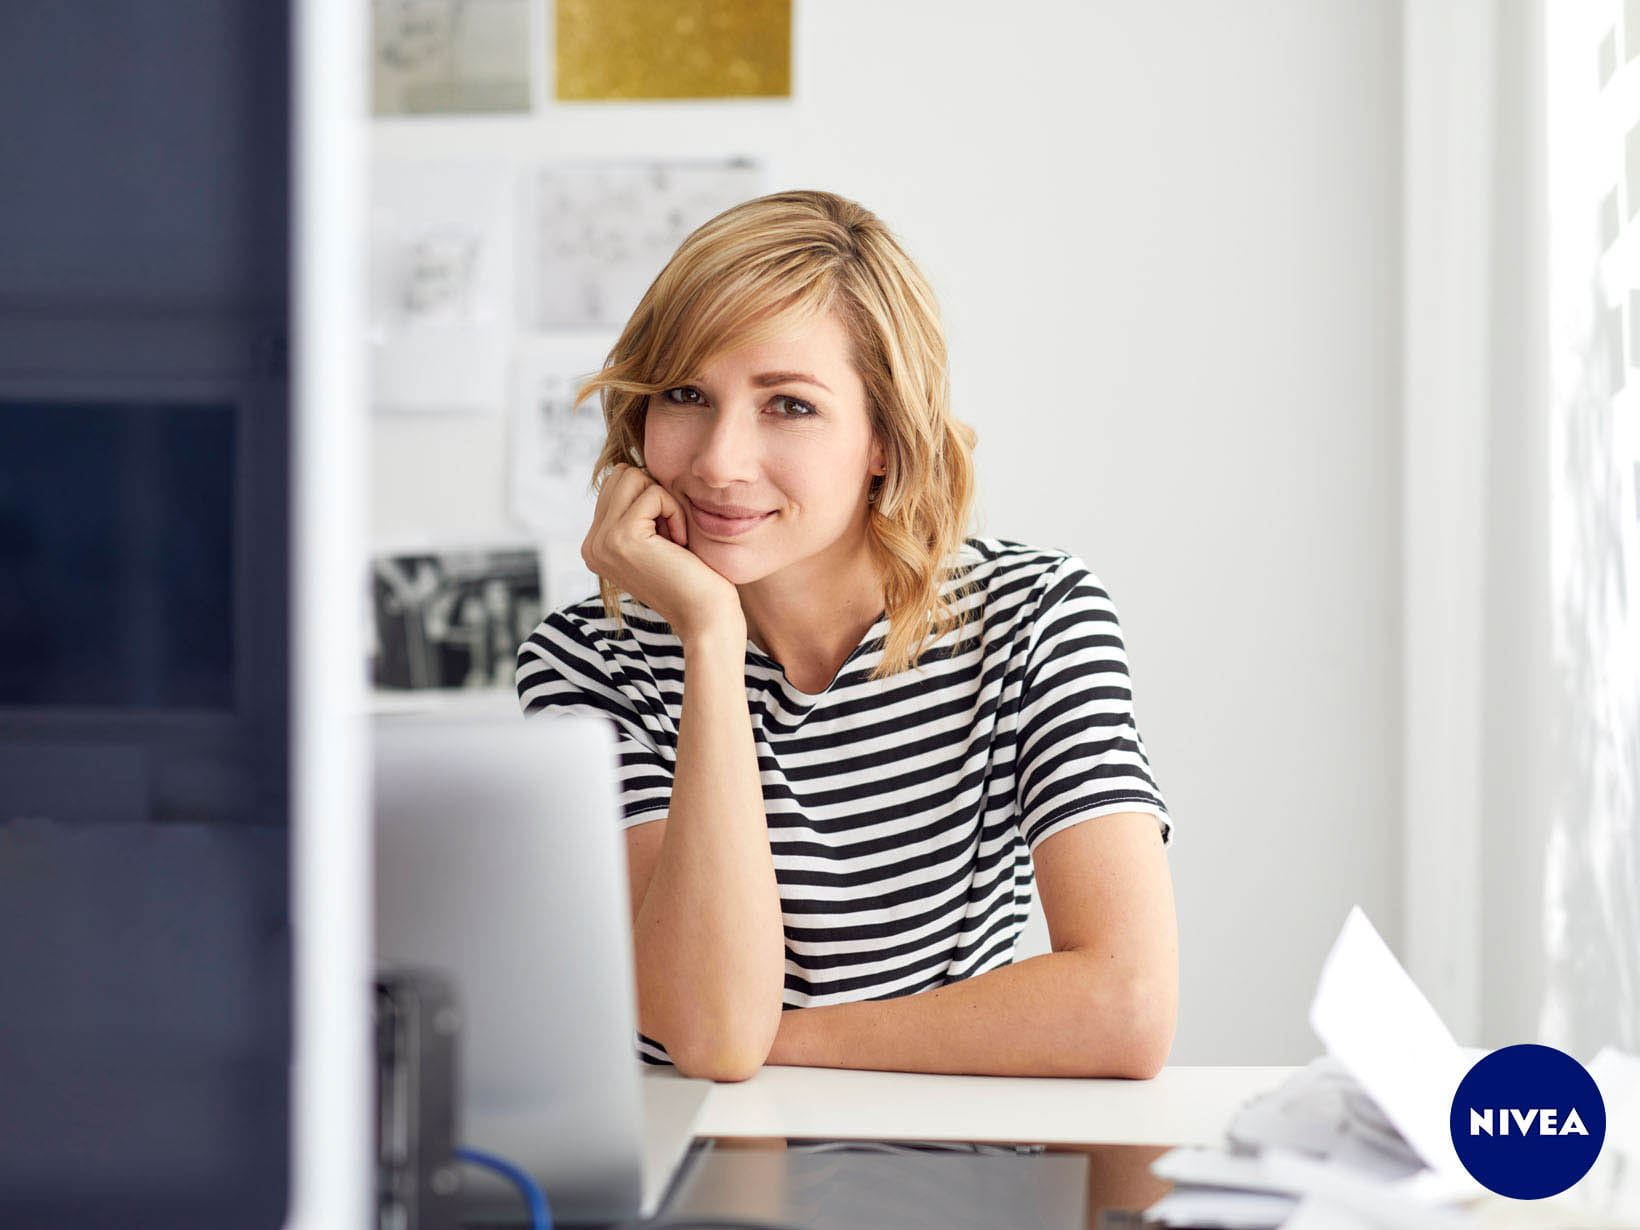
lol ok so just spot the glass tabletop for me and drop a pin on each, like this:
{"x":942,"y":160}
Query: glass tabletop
{"x":909,"y":1185}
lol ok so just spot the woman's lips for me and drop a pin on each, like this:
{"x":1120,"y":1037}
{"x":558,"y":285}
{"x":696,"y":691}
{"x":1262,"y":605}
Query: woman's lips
{"x":726,"y":527}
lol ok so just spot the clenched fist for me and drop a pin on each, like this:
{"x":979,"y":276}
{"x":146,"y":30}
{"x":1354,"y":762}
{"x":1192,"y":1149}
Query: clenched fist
{"x":639,"y":541}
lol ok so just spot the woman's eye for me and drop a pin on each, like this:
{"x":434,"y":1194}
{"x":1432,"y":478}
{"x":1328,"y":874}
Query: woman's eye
{"x":683,"y":395}
{"x":794,"y":408}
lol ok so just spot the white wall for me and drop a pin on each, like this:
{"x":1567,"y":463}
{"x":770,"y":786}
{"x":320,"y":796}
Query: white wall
{"x":1166,"y":243}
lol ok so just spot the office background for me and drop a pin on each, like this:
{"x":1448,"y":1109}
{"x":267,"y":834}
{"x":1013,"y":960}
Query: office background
{"x":1245,"y":304}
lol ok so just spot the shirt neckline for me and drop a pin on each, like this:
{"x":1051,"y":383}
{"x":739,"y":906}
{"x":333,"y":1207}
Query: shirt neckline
{"x":753,"y":653}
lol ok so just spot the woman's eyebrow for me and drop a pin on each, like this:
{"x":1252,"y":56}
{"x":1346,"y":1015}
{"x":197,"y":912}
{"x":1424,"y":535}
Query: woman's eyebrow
{"x":764,"y":379}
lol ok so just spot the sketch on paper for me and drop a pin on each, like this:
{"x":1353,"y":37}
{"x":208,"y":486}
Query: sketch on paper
{"x":452,"y":618}
{"x":555,"y":443}
{"x":601,"y":232}
{"x":433,"y":56}
{"x":441,"y":284}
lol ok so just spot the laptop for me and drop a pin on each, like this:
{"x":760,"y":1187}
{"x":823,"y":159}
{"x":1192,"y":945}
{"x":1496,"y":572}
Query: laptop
{"x":500,"y":863}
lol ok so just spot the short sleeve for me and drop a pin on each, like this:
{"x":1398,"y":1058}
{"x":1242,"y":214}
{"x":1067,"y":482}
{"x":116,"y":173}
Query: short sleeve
{"x":562,"y":668}
{"x":1080,"y":754}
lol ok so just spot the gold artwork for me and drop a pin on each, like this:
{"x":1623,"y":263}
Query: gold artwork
{"x":647,"y":49}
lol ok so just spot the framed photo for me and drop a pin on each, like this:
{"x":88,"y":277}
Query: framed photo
{"x":451,"y":617}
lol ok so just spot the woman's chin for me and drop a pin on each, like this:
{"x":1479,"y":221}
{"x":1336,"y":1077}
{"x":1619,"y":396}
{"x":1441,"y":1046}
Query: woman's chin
{"x":729,"y":563}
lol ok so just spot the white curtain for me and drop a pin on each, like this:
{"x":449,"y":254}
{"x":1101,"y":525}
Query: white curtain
{"x":1522,"y":687}
{"x":1591,"y":860}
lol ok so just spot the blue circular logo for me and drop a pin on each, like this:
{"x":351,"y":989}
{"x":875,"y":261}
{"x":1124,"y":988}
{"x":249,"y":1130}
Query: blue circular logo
{"x":1528,"y":1121}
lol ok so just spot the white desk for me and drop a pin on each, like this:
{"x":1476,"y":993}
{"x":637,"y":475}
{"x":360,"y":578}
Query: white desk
{"x":1182,"y":1106}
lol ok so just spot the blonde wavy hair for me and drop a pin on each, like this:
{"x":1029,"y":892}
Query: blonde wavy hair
{"x":781,"y":261}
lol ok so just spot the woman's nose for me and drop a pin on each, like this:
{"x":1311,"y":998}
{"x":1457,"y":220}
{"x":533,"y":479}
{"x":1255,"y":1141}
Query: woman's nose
{"x":727,"y":454}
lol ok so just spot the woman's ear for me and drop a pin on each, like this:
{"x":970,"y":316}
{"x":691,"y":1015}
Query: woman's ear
{"x":879,"y":471}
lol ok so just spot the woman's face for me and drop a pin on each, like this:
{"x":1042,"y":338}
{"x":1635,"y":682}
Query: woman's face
{"x":777,"y":438}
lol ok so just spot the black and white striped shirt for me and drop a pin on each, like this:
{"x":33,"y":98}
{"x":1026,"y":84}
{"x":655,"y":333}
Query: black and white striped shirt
{"x":902,"y":811}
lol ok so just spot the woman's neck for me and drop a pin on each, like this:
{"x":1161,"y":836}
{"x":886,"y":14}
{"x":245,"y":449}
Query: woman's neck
{"x":811,"y":616}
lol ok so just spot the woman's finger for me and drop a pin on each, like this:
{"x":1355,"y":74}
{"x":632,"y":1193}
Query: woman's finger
{"x":606,"y":492}
{"x":624,"y":483}
{"x":677,"y":525}
{"x":620,"y":485}
{"x":653,"y":505}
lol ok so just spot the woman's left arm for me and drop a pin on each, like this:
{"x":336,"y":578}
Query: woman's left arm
{"x":1104,"y":1002}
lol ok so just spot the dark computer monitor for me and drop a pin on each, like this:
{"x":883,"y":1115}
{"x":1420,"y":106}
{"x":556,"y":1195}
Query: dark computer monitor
{"x":145,"y":749}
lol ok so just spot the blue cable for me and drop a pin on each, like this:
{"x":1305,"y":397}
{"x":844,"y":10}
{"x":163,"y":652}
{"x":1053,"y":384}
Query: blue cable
{"x":540,"y":1214}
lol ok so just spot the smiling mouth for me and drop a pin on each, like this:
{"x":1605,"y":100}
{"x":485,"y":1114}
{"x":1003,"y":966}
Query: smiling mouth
{"x":717,"y":523}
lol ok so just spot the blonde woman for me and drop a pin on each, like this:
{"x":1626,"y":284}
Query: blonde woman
{"x":848,"y":733}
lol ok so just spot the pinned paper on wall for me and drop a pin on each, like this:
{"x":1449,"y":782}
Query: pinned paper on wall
{"x":555,"y":442}
{"x":441,"y":284}
{"x":450,"y":56}
{"x":635,"y":49}
{"x":600,"y":232}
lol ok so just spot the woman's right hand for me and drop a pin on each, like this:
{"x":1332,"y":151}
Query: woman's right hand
{"x":639,"y":542}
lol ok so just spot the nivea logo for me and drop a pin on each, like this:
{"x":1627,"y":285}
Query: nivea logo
{"x":1528,"y":1121}
{"x":1542,"y":1121}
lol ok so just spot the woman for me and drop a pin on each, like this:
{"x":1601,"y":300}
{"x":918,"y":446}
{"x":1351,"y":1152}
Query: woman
{"x":847,"y":733}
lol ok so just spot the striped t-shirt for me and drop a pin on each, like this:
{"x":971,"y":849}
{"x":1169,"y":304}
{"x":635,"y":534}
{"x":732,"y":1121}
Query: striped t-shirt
{"x":902,"y":811}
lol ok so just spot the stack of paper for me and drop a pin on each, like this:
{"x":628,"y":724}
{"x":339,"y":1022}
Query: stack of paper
{"x":1359,"y":1139}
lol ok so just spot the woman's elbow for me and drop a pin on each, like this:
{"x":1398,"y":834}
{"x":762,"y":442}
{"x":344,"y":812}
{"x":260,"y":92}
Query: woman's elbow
{"x":1146,"y":1061}
{"x":713,"y":1062}
{"x":1153,"y":1015}
{"x":723,"y":1052}
{"x":1125,"y":1033}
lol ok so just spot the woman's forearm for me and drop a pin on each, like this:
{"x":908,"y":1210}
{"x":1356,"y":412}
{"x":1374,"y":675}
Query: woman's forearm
{"x":1059,"y":1014}
{"x":708,"y":936}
